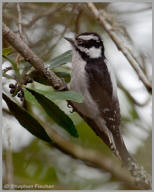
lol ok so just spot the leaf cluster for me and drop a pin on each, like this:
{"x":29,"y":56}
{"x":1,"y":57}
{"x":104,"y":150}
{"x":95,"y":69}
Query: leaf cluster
{"x":45,"y":98}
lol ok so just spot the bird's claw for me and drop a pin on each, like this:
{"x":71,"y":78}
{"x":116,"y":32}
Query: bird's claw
{"x":70,"y":106}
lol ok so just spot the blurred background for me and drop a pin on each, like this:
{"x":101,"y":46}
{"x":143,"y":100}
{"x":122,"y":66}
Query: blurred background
{"x":28,"y":160}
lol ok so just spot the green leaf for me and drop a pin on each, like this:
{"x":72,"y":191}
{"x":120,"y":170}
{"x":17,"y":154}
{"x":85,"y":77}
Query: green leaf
{"x":36,"y":76}
{"x":14,"y":66}
{"x":26,"y":120}
{"x":40,"y":79}
{"x":55,"y":113}
{"x":60,"y":95}
{"x":61,"y":60}
{"x":29,"y":97}
{"x":6,"y":51}
{"x":64,"y":75}
{"x":63,"y":72}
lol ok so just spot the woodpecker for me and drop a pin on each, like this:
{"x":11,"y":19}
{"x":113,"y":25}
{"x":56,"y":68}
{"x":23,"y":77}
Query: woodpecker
{"x":92,"y":77}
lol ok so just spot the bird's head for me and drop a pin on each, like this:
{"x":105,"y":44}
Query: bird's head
{"x":88,"y":45}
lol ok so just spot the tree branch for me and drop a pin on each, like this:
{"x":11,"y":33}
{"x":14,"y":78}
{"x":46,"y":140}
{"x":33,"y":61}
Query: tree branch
{"x":32,"y":58}
{"x":90,"y":157}
{"x":108,"y":28}
{"x":129,"y":95}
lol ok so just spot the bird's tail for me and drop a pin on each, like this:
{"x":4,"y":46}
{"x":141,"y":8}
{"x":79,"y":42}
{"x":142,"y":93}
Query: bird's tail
{"x":122,"y":149}
{"x":135,"y":170}
{"x":143,"y":179}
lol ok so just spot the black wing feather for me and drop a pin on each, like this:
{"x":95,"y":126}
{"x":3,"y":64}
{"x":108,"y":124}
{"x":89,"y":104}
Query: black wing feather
{"x":101,"y":90}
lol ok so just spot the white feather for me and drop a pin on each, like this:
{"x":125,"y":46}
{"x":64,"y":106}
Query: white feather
{"x":79,"y":84}
{"x":92,"y":52}
{"x":88,"y":37}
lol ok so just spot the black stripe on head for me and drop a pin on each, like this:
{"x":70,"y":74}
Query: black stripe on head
{"x":87,"y":58}
{"x":88,"y":40}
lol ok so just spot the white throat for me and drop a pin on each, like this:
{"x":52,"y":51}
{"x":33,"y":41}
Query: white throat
{"x":92,"y":52}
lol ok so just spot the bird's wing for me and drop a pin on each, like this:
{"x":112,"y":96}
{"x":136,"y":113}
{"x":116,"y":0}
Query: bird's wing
{"x":102,"y":91}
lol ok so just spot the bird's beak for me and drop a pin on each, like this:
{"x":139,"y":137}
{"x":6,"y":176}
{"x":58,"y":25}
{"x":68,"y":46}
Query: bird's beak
{"x":70,"y":40}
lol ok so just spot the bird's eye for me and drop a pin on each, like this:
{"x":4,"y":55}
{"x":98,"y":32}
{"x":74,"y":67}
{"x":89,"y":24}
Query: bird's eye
{"x":80,"y":41}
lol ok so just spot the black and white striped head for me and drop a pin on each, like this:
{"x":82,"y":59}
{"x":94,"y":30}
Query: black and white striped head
{"x":88,"y":45}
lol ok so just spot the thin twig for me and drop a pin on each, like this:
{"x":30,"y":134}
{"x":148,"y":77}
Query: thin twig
{"x":47,"y":51}
{"x":45,"y":13}
{"x":4,"y":72}
{"x":108,"y":28}
{"x":17,"y":59}
{"x":8,"y":76}
{"x":20,"y":22}
{"x":7,"y":69}
{"x":132,"y":98}
{"x":77,"y":23}
{"x":19,"y":30}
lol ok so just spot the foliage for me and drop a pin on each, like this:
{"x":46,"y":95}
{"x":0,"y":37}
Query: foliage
{"x":60,"y":60}
{"x":54,"y":112}
{"x":6,"y":51}
{"x":60,"y":95}
{"x":26,"y":120}
{"x":44,"y":30}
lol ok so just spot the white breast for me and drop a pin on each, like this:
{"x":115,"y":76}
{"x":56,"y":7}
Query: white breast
{"x":79,"y":84}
